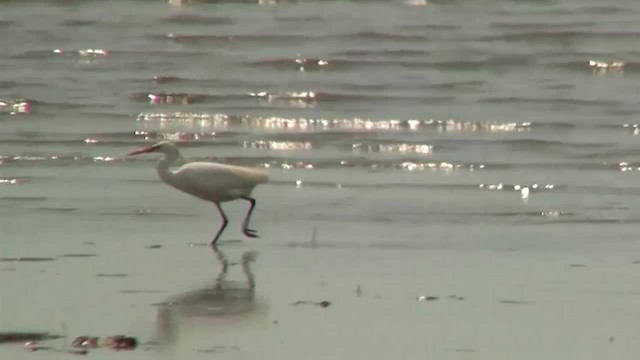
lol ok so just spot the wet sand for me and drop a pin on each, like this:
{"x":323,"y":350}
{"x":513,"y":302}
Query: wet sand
{"x":494,"y":292}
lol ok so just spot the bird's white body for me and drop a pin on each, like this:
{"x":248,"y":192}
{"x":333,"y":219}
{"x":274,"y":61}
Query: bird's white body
{"x":215,"y":182}
{"x":209,"y":181}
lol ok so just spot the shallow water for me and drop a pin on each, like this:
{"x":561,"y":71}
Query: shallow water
{"x":403,"y":133}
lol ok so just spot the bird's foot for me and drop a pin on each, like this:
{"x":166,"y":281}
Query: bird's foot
{"x":249,"y":233}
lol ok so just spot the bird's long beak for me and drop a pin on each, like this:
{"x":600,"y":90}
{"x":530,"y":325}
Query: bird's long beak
{"x":144,"y":150}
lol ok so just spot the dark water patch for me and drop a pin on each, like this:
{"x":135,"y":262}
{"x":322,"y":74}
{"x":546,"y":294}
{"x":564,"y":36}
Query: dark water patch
{"x":27,"y":259}
{"x":153,"y":247}
{"x":57,"y":209}
{"x":196,"y":19}
{"x":620,"y":112}
{"x":608,"y":190}
{"x":220,"y":39}
{"x":144,"y":291}
{"x":167,"y":79}
{"x":430,"y":27}
{"x":23,"y":198}
{"x":140,"y":181}
{"x":6,"y":23}
{"x":536,"y":26}
{"x":556,"y":125}
{"x":291,"y":39}
{"x":607,"y":155}
{"x":612,"y":207}
{"x":6,"y":85}
{"x":605,"y":9}
{"x":550,"y":101}
{"x":149,"y":53}
{"x":379,"y":35}
{"x":36,"y":54}
{"x":560,"y":86}
{"x":79,"y":255}
{"x":561,"y":36}
{"x":200,"y":82}
{"x":39,"y":105}
{"x":140,"y":57}
{"x":373,"y":87}
{"x":384,"y":53}
{"x":300,"y":19}
{"x":113,"y":275}
{"x":459,"y":85}
{"x":79,"y":22}
{"x":173,"y":80}
{"x":488,"y":63}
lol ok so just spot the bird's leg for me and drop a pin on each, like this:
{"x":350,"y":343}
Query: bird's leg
{"x":222,"y":227}
{"x":245,"y":224}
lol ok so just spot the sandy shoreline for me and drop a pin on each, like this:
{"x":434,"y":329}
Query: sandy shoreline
{"x":525,"y":300}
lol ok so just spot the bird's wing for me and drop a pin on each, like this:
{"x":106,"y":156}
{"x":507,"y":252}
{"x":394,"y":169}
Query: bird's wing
{"x":213,"y":178}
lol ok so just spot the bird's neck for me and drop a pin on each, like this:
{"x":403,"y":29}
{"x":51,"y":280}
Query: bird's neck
{"x":164,"y":172}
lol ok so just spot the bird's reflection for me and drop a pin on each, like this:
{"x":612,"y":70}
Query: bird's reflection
{"x":226,"y":301}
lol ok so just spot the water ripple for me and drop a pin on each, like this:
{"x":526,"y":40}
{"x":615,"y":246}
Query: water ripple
{"x":191,"y":19}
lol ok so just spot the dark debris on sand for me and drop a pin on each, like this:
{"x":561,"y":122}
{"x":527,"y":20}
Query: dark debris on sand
{"x":117,"y":342}
{"x":514,"y":302}
{"x":82,"y":344}
{"x":322,"y":304}
{"x":24,"y":336}
{"x":114,"y":275}
{"x":79,"y":255}
{"x":27,"y":259}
